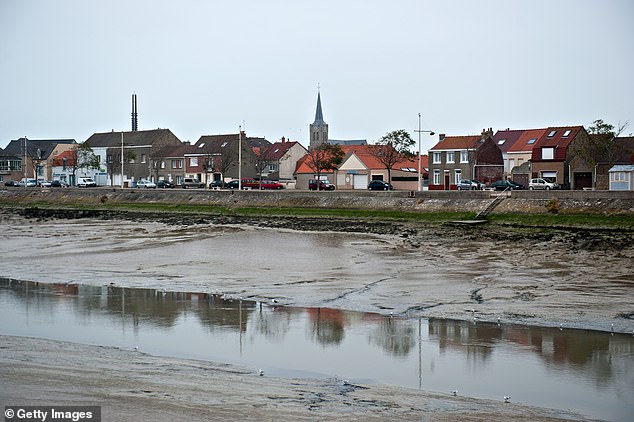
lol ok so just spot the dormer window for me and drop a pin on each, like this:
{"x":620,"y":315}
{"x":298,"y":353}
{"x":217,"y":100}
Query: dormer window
{"x":548,"y":153}
{"x":552,"y":133}
{"x":566,"y":133}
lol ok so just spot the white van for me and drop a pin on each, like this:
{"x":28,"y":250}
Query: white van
{"x":86,"y":182}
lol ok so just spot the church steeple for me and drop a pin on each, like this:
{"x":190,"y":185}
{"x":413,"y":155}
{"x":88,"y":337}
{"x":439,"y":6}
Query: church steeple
{"x":319,"y":116}
{"x":318,"y":129}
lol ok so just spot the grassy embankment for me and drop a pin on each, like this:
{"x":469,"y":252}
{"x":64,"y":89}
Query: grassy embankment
{"x":614,"y":221}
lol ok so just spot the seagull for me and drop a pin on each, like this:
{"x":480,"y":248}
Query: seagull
{"x":274,"y":301}
{"x":391,"y":314}
{"x":454,"y":392}
{"x":498,"y":320}
{"x":136,"y":348}
{"x":261,"y":372}
{"x":561,"y":327}
{"x":507,"y":399}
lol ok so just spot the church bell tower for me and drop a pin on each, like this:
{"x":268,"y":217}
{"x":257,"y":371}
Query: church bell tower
{"x":319,"y":128}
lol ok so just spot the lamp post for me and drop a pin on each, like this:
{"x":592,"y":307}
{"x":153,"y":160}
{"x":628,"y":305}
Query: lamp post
{"x":431,"y":133}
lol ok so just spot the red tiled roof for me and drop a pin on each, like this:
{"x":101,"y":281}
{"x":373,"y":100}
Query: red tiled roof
{"x":522,"y":143}
{"x":505,"y":139}
{"x":457,"y":142}
{"x":557,"y":141}
{"x":70,"y":156}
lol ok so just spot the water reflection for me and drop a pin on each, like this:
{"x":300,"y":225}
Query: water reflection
{"x":574,"y":369}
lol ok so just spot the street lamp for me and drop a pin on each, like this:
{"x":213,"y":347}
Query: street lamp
{"x":431,"y":133}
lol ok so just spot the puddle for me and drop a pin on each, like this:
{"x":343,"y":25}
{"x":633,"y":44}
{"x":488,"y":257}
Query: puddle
{"x":589,"y":372}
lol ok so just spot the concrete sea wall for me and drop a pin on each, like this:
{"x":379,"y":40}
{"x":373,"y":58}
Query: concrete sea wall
{"x":533,"y":202}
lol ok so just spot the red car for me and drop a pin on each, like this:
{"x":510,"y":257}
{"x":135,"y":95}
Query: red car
{"x":261,"y":184}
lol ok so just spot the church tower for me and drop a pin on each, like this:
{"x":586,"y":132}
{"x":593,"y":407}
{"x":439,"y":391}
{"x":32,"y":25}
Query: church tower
{"x":319,"y":128}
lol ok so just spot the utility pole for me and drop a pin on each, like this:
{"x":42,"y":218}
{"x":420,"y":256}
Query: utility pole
{"x":121,"y":160}
{"x":420,"y":173}
{"x":240,"y":157}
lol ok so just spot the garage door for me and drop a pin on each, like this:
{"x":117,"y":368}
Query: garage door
{"x":360,"y":181}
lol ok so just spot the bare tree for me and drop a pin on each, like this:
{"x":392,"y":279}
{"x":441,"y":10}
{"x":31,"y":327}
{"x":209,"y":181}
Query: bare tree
{"x":392,"y":149}
{"x":324,"y":157}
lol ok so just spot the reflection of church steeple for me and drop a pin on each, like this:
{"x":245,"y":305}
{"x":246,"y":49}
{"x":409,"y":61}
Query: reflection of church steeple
{"x":319,"y":128}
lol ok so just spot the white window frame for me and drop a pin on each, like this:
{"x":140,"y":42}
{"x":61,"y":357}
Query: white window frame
{"x":436,"y":158}
{"x":436,"y":176}
{"x":457,"y":175}
{"x":464,"y":156}
{"x":451,"y":156}
{"x":548,"y":153}
{"x":193,"y":161}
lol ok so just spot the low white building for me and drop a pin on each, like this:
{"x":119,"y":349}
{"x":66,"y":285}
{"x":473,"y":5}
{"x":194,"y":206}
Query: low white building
{"x":622,"y":177}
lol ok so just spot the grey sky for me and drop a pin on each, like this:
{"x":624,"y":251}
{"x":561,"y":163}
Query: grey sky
{"x":68,"y":67}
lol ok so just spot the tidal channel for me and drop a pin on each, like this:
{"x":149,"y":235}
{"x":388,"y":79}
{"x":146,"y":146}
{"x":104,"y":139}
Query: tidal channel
{"x":590,"y":372}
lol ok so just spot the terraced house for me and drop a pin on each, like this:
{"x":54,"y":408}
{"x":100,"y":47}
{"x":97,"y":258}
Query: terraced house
{"x":455,"y":158}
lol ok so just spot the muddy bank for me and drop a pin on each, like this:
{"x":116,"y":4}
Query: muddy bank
{"x":131,"y":386}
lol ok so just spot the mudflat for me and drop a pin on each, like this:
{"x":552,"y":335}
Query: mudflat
{"x":579,"y":278}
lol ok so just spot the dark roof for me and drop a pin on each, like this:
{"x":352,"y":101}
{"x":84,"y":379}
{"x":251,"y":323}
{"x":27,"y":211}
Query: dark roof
{"x":277,"y":150}
{"x":134,"y":138}
{"x":46,"y":146}
{"x":347,"y":141}
{"x":505,"y":139}
{"x":527,"y":140}
{"x":553,"y":137}
{"x":214,"y":144}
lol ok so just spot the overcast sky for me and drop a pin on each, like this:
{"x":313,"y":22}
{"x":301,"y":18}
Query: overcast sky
{"x":68,"y":68}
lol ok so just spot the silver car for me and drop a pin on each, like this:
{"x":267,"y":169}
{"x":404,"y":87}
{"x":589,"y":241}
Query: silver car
{"x":540,"y":183}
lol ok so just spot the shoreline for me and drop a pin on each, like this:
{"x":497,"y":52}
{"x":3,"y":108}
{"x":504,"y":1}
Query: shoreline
{"x":131,"y":386}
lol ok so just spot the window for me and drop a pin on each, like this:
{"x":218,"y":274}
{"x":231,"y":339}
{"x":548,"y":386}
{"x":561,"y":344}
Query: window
{"x":464,"y":156}
{"x":457,"y":175}
{"x":162,"y":164}
{"x":436,"y":176}
{"x":501,"y":141}
{"x":193,"y":161}
{"x":436,"y":158}
{"x":143,"y":158}
{"x":548,"y":153}
{"x":531,"y":141}
{"x":272,"y":168}
{"x":566,"y":133}
{"x":552,"y":133}
{"x":202,"y":144}
{"x":451,"y":157}
{"x":131,"y":161}
{"x":177,"y":164}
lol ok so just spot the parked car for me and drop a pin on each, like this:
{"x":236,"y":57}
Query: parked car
{"x":11,"y":183}
{"x":28,"y":182}
{"x":379,"y":185}
{"x":466,"y":184}
{"x":189,"y":182}
{"x":506,"y":185}
{"x":233,"y":184}
{"x":59,"y":184}
{"x":146,"y":184}
{"x":261,"y":184}
{"x":540,"y":183}
{"x":86,"y":182}
{"x":164,"y":184}
{"x":216,"y":184}
{"x":44,"y":183}
{"x":314,"y":184}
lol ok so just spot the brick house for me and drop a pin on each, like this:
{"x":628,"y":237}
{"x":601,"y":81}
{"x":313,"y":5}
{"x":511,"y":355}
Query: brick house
{"x":455,"y":158}
{"x":552,"y":160}
{"x":31,"y":158}
{"x":280,"y":160}
{"x":140,"y":149}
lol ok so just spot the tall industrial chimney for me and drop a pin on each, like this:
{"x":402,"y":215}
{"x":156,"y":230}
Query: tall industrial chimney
{"x":135,"y":116}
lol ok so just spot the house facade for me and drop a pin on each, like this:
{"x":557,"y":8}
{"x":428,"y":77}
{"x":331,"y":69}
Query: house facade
{"x":455,"y":158}
{"x":551,"y":158}
{"x":505,"y":140}
{"x":31,"y":158}
{"x":280,"y":160}
{"x":139,"y":150}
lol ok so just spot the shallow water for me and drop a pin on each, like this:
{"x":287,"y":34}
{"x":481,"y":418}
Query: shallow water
{"x":586,"y":371}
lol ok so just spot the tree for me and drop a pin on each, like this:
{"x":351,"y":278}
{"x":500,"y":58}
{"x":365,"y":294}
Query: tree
{"x":601,"y":145}
{"x":391,"y":149}
{"x":324,"y":157}
{"x":83,"y":157}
